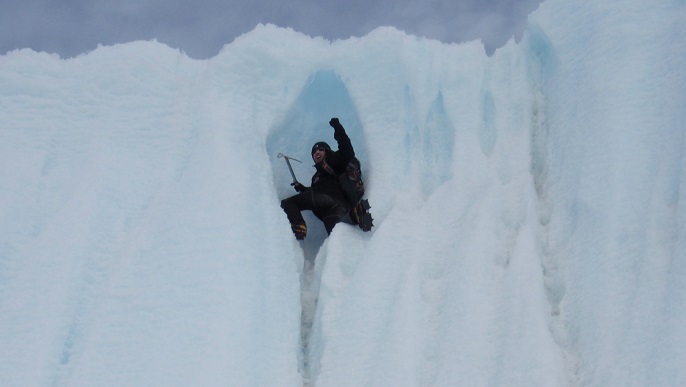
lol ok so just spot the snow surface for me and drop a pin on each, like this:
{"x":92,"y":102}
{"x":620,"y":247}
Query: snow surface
{"x":529,"y":209}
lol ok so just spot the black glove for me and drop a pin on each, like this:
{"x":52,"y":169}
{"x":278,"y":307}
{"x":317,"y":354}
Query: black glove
{"x":334,"y":122}
{"x":298,"y":187}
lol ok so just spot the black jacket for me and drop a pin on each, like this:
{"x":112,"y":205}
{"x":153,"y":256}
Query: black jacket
{"x":326,"y":182}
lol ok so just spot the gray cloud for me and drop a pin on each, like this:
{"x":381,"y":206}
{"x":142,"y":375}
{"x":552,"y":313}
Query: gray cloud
{"x":201,"y":27}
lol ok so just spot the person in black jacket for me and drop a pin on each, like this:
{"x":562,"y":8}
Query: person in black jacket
{"x":324,"y":197}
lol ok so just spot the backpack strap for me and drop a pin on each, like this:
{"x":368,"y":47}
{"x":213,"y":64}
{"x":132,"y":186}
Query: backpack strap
{"x":328,"y":168}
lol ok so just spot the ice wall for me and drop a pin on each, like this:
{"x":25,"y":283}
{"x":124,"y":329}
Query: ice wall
{"x":612,"y":188}
{"x":136,"y":199}
{"x":529,"y":209}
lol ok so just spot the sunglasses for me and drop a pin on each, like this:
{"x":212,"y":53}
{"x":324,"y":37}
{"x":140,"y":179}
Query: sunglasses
{"x":318,"y":148}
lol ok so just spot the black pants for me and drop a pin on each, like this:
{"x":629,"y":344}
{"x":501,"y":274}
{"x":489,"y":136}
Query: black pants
{"x":327,"y":209}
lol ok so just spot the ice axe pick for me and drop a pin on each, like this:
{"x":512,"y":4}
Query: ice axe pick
{"x":288,"y":158}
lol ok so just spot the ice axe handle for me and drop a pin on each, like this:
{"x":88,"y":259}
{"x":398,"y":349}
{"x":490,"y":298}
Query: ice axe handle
{"x":288,"y":162}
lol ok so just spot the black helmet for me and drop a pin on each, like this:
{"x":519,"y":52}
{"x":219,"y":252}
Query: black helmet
{"x":320,"y":145}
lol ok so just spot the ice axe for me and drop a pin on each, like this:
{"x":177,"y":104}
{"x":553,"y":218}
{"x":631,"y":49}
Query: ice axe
{"x":288,"y":158}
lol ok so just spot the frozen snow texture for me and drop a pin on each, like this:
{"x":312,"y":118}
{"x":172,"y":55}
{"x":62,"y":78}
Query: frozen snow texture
{"x":529,"y":209}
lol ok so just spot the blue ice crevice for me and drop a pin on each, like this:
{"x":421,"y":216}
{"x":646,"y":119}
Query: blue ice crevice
{"x":437,"y":146}
{"x":307,"y":121}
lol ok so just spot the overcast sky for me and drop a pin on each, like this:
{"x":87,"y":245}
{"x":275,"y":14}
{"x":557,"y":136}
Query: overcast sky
{"x":201,"y":28}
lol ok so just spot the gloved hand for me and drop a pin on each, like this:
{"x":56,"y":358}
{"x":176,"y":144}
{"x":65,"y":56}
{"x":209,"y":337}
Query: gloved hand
{"x":334,"y":122}
{"x":298,"y":187}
